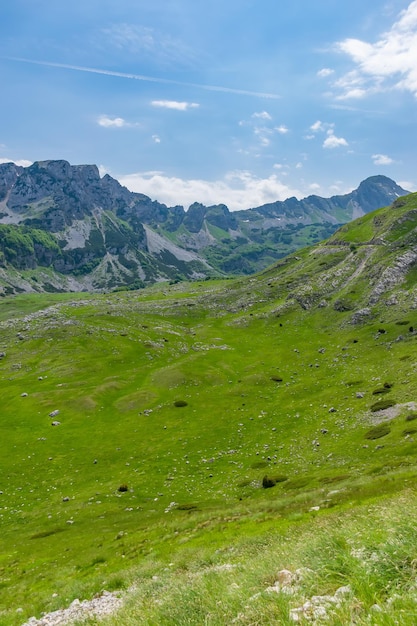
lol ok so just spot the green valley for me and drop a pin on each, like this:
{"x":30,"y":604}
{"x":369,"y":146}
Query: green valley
{"x":189,"y":442}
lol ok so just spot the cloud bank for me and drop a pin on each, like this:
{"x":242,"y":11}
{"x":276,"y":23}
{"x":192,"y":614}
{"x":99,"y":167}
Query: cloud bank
{"x":238,"y":190}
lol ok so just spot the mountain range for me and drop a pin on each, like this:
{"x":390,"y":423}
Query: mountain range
{"x":65,"y":228}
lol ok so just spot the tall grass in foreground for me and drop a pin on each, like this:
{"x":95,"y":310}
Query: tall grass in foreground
{"x":371,"y":550}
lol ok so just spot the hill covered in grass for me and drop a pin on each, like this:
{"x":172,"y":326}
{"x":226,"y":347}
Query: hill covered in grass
{"x":189,"y":442}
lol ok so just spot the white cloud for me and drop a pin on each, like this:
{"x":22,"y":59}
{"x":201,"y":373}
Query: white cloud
{"x":318,"y":127}
{"x":111,"y":122}
{"x":390,"y":62}
{"x":298,"y":166}
{"x":282,"y":130}
{"x":263,"y":115}
{"x":21,"y":162}
{"x":238,"y":190}
{"x":314,"y":186}
{"x":332,"y":141}
{"x":382,"y":159}
{"x":156,"y":138}
{"x":406,"y":184}
{"x":173,"y":104}
{"x":263,"y":135}
{"x":326,"y":71}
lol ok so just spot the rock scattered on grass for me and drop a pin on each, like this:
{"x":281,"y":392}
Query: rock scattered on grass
{"x":288,"y":582}
{"x":318,"y":607}
{"x":105,"y":604}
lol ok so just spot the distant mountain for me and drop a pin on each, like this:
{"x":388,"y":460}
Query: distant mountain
{"x":63,"y":227}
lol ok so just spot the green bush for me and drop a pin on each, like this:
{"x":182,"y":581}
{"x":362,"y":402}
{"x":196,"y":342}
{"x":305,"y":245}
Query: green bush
{"x":386,"y":388}
{"x":382,"y":404}
{"x":271,"y":481}
{"x":409,"y":431}
{"x":378,"y":431}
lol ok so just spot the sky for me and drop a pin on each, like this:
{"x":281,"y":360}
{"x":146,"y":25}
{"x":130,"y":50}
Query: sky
{"x":240,"y":102}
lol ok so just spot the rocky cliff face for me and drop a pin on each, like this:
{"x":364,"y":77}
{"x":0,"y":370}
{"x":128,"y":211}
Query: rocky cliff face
{"x":100,"y":235}
{"x":84,"y":226}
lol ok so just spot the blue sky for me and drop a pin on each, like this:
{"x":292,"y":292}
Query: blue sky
{"x":239,"y":102}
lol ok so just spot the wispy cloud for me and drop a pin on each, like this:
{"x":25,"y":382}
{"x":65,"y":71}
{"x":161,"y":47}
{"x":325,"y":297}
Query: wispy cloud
{"x":238,"y":189}
{"x":151,"y":79}
{"x":325,"y":72}
{"x":111,"y":122}
{"x":318,"y":126}
{"x":115,"y":122}
{"x":147,"y":42}
{"x":388,"y":63}
{"x":382,"y":159}
{"x":263,"y":130}
{"x":263,"y":115}
{"x":173,"y":104}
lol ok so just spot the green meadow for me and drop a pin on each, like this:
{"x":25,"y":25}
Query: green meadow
{"x":192,"y":440}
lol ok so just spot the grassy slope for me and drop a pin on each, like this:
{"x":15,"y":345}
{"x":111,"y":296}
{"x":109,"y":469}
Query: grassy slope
{"x":115,"y":365}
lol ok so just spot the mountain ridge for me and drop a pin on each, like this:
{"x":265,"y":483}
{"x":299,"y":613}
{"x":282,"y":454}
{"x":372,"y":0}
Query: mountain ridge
{"x":91,"y":233}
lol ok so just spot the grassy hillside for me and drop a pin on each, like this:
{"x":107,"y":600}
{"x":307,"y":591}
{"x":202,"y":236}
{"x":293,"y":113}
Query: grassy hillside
{"x":195,"y":439}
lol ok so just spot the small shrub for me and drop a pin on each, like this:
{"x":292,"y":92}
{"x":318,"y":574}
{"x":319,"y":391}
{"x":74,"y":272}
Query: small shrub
{"x":409,"y":431}
{"x":378,"y":431}
{"x":298,"y":483}
{"x":328,"y":480}
{"x":267,"y":483}
{"x":123,"y":488}
{"x":402,"y":322}
{"x":276,"y":379}
{"x":382,"y":404}
{"x":180,"y":403}
{"x":187,"y":507}
{"x":384,"y":389}
{"x":410,"y":417}
{"x":259,"y":464}
{"x":47,"y":533}
{"x":280,"y":478}
{"x":271,"y":481}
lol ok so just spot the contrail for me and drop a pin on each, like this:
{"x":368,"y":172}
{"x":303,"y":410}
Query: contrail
{"x":149,"y":79}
